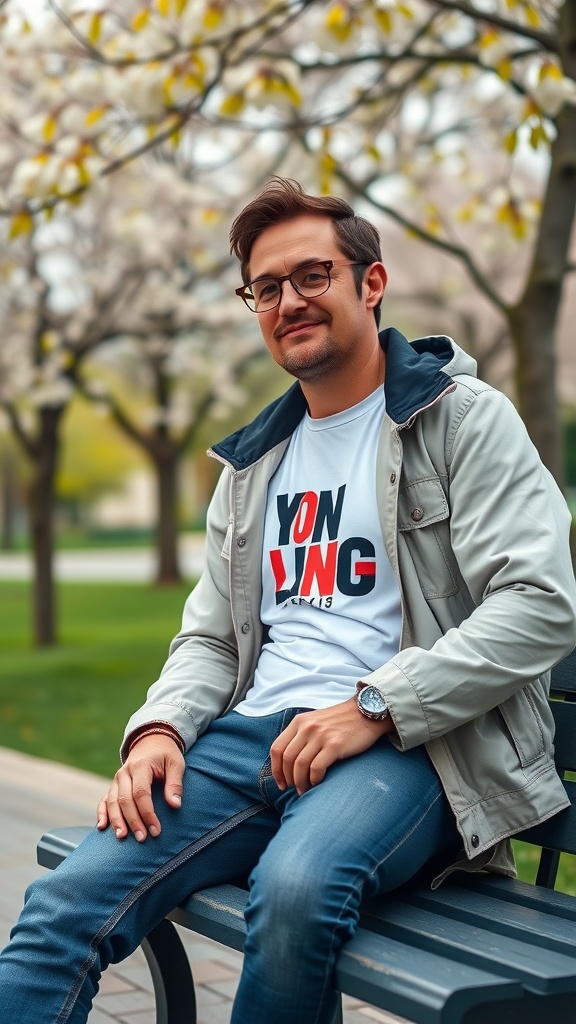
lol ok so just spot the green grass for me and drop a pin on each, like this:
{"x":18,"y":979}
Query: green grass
{"x":70,"y":703}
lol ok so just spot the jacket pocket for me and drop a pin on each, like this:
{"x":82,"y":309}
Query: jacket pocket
{"x":524,"y":726}
{"x":424,"y":526}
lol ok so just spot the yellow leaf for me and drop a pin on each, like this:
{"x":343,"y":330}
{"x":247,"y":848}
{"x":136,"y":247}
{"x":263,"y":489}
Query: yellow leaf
{"x":339,"y":22}
{"x":167,"y":90}
{"x":466,"y":213}
{"x":293,"y":94}
{"x":538,"y":135}
{"x":327,"y":163}
{"x":372,"y":152}
{"x":181,"y":6}
{"x":232,"y":105}
{"x":95,"y":29}
{"x":163,"y":7}
{"x":191,"y":81}
{"x":212,"y":16}
{"x":94,"y":115}
{"x":488,"y":38}
{"x":211,"y":216}
{"x":383,"y":19}
{"x":48,"y":341}
{"x":140,"y":20}
{"x":511,"y":141}
{"x":504,"y":69}
{"x":50,"y":128}
{"x":550,"y":70}
{"x":21,"y":224}
{"x":532,"y":16}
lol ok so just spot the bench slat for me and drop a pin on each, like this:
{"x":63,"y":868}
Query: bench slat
{"x":538,"y":970}
{"x":510,"y":890}
{"x":517,"y":920}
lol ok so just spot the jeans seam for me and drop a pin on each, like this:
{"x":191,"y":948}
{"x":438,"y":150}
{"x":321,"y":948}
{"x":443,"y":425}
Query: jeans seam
{"x":128,"y":902}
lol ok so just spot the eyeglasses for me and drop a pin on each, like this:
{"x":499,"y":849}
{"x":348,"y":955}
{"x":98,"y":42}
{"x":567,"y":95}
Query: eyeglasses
{"x":310,"y":281}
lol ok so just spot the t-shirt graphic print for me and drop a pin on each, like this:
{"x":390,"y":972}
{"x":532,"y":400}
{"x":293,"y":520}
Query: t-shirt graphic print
{"x":329,"y":597}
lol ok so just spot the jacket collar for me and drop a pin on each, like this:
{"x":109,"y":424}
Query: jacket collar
{"x":414,"y":379}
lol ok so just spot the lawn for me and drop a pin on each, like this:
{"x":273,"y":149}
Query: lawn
{"x":70,"y":703}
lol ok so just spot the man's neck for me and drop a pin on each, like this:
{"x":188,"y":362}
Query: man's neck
{"x":328,"y":396}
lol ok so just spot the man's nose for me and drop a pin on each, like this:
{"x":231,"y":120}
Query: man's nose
{"x":290,"y":300}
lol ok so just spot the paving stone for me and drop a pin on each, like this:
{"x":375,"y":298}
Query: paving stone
{"x":111,"y":982}
{"x":207,"y":971}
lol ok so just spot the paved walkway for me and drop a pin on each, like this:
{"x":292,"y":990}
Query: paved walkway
{"x":38,"y":795}
{"x":131,"y":565}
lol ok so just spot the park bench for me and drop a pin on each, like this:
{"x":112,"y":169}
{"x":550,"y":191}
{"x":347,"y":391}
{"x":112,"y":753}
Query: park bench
{"x":479,"y":949}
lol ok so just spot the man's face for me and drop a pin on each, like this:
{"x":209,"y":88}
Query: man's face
{"x":312,"y":338}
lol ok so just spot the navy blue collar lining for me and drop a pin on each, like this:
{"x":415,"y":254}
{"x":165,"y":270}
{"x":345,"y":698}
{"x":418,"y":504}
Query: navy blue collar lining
{"x":414,"y":379}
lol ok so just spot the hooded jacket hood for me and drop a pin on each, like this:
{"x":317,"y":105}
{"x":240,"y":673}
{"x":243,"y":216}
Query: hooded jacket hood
{"x":417,"y":373}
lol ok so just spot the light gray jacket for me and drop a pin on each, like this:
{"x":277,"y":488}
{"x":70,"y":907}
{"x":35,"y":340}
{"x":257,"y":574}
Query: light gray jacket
{"x":477,"y":534}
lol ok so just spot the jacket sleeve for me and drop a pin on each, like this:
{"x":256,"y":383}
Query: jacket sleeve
{"x":199,"y":676}
{"x":509,"y":532}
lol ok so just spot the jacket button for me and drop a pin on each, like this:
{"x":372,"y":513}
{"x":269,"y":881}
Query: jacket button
{"x":392,"y":478}
{"x":475,"y":840}
{"x":241,"y":542}
{"x":417,"y":514}
{"x":245,"y":627}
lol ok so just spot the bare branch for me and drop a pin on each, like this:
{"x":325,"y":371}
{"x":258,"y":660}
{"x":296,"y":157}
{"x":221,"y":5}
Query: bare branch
{"x":549,"y":40}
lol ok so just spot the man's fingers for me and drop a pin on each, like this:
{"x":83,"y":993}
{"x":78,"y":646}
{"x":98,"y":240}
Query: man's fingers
{"x":277,"y":756}
{"x":174,"y":770}
{"x":102,"y":813}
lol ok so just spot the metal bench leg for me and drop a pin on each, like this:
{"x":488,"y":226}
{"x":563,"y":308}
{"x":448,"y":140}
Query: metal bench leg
{"x":338,"y":1016}
{"x":171,"y":975}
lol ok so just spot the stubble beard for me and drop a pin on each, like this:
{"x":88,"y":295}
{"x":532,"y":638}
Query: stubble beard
{"x":318,"y":363}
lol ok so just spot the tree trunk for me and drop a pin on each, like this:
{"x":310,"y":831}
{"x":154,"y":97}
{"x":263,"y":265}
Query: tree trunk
{"x":41,"y":509}
{"x":166,"y":465}
{"x":8,"y":501}
{"x":533,"y":320}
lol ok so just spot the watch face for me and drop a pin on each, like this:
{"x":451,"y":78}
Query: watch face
{"x":372,"y":700}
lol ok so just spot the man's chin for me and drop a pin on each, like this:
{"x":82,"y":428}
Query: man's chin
{"x":309,"y":365}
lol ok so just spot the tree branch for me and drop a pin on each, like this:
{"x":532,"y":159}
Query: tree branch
{"x":549,"y":40}
{"x":457,"y":251}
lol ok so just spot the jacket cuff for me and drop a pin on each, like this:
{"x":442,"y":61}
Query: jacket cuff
{"x":160,"y":714}
{"x":406,"y":710}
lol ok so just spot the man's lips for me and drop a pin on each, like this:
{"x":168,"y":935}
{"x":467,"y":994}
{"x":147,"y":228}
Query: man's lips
{"x":285,"y":330}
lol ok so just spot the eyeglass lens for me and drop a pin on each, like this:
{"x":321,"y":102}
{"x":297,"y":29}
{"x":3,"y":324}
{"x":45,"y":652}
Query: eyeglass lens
{"x":307,"y":281}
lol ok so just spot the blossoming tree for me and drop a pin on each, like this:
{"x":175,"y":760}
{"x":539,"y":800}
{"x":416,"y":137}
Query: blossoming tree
{"x":109,"y":276}
{"x":427,"y":109}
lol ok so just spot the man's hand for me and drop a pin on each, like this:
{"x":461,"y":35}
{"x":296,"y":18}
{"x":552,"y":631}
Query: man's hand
{"x":314,"y":740}
{"x":128,"y":803}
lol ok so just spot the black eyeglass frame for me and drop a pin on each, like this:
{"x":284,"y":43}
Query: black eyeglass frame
{"x":327,"y":264}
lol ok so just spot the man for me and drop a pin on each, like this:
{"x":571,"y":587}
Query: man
{"x":358,"y":691}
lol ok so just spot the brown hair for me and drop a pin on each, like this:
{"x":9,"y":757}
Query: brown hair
{"x":283,"y":199}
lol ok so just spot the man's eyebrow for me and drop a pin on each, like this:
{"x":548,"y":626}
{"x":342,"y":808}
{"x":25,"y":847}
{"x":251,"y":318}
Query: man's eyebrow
{"x":310,"y":261}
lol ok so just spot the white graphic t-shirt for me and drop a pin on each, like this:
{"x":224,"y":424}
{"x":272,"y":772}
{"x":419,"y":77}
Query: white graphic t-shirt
{"x":330,"y":599}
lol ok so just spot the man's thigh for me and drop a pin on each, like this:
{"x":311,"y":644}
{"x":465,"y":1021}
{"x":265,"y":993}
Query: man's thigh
{"x":373,"y":822}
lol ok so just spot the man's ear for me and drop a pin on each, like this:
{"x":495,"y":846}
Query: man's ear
{"x":375,"y":281}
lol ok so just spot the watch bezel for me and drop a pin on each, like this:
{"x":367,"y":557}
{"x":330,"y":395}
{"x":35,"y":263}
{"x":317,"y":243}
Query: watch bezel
{"x":376,"y":716}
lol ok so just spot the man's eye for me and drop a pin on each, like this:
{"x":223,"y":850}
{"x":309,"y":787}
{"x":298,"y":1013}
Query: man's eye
{"x":312,"y":278}
{"x":265,"y":289}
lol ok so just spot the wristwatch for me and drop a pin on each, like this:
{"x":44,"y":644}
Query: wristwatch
{"x":372,"y":704}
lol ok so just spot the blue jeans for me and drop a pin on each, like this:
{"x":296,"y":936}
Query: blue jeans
{"x":373,"y":822}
